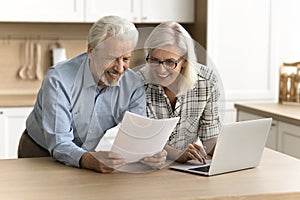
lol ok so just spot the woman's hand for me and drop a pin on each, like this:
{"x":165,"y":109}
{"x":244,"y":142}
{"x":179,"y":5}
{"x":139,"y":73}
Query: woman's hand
{"x":193,"y":152}
{"x":156,"y":161}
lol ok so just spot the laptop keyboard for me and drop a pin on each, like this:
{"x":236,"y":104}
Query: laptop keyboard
{"x":201,"y":169}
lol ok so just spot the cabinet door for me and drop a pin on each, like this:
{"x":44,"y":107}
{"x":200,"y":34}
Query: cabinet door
{"x":239,"y":41}
{"x":95,"y":9}
{"x":289,"y":139}
{"x":142,"y":11}
{"x":239,"y":45}
{"x":167,"y":10}
{"x":42,"y":11}
{"x":272,"y":139}
{"x":12,"y":125}
{"x":2,"y":134}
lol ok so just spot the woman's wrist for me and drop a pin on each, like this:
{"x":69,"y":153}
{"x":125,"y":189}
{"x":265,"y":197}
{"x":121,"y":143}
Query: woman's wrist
{"x":173,"y":154}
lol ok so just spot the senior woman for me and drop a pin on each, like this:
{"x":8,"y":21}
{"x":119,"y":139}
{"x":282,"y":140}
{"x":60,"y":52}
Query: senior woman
{"x":177,"y":86}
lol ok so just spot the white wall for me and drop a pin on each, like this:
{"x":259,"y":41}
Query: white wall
{"x":285,"y":29}
{"x":248,"y":40}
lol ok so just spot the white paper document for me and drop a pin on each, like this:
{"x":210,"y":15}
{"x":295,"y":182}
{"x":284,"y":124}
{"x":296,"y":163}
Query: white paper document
{"x":140,"y":137}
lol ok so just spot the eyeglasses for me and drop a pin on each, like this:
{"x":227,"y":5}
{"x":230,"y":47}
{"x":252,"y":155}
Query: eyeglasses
{"x":170,"y":63}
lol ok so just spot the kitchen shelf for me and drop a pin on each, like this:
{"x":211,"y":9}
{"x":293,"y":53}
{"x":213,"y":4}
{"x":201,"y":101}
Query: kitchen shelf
{"x":17,"y":100}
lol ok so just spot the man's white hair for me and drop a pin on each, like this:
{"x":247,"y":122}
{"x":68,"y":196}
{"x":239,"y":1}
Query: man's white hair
{"x":112,"y":26}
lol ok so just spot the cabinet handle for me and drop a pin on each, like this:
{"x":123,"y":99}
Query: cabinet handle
{"x":132,"y":6}
{"x":144,"y":10}
{"x":133,"y":11}
{"x":1,"y":112}
{"x":75,"y":5}
{"x":273,"y":124}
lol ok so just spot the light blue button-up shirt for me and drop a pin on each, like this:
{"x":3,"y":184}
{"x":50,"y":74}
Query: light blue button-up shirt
{"x":71,"y":114}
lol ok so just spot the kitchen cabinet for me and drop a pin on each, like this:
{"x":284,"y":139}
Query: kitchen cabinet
{"x":12,"y":125}
{"x":272,"y":139}
{"x":238,"y":45}
{"x":95,"y":9}
{"x":289,"y":139}
{"x":253,"y":46}
{"x":138,"y":11}
{"x":182,"y":11}
{"x":285,"y":130}
{"x":42,"y":11}
{"x":142,"y":11}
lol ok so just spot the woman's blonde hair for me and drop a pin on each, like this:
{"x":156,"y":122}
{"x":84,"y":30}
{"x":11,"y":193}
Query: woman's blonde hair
{"x":173,"y":34}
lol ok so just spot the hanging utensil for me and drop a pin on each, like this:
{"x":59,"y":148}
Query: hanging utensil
{"x":30,"y":71}
{"x":38,"y":65}
{"x":23,"y":68}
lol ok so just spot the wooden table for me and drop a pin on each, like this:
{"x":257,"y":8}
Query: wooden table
{"x":277,"y":177}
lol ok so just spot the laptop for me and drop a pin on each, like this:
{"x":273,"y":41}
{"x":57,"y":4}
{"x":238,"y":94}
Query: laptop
{"x":240,"y":146}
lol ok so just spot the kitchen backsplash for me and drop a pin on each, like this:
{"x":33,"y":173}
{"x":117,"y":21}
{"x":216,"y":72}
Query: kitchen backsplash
{"x":26,"y":52}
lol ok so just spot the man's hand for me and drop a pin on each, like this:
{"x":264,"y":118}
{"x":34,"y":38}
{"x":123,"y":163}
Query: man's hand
{"x":102,"y":161}
{"x":156,"y":161}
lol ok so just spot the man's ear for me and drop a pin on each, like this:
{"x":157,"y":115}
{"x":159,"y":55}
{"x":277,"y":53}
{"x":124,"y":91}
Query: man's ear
{"x":89,"y":51}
